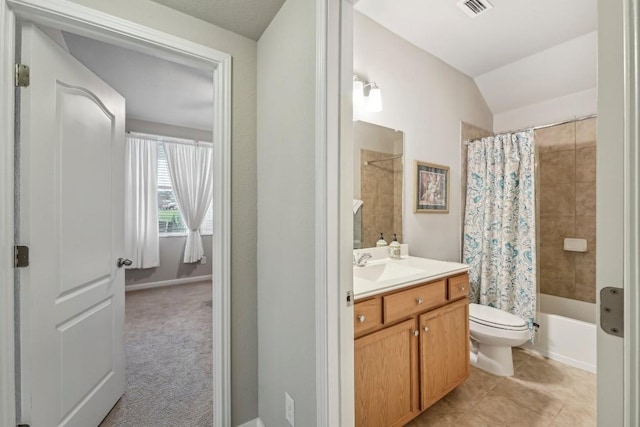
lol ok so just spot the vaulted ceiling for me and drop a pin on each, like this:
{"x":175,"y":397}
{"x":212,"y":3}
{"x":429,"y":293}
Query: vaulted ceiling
{"x":519,"y":52}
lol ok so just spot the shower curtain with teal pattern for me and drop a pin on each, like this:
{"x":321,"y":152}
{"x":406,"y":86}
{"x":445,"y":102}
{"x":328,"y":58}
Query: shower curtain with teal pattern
{"x":499,"y":226}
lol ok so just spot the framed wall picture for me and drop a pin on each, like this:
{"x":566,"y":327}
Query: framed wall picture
{"x":432,"y":188}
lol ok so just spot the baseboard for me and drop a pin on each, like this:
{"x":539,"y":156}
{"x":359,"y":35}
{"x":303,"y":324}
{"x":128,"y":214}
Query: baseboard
{"x":171,"y":282}
{"x":253,"y":423}
{"x":562,"y":359}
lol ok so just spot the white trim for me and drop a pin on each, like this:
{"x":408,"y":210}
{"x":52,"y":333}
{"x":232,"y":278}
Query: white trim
{"x":70,"y":16}
{"x":321,"y":285}
{"x":256,"y":422}
{"x":161,"y":283}
{"x":7,"y":366}
{"x":632,"y":213}
{"x":589,"y":367}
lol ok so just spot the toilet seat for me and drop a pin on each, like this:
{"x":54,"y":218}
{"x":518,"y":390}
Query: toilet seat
{"x":495,"y":318}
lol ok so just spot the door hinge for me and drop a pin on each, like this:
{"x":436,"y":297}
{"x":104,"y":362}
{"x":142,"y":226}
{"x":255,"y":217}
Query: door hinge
{"x":349,"y":298}
{"x":612,"y":311}
{"x":22,"y":77}
{"x":22,"y":256}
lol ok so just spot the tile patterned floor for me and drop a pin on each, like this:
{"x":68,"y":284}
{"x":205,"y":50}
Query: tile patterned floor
{"x":542,"y":392}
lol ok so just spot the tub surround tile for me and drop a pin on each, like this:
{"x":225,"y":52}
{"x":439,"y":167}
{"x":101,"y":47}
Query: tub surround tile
{"x":585,"y":199}
{"x":557,"y":200}
{"x":557,"y":167}
{"x":586,"y":229}
{"x":567,"y":208}
{"x":586,"y":164}
{"x":586,"y":293}
{"x":586,"y":133}
{"x":555,"y":138}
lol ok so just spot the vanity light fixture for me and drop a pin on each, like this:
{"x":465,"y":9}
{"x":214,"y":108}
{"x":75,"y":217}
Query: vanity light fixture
{"x":374,"y":105}
{"x":371,"y":103}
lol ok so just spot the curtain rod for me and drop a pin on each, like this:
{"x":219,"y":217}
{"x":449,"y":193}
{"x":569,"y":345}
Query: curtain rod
{"x":158,"y":138}
{"x":367,"y":163}
{"x":578,"y":119}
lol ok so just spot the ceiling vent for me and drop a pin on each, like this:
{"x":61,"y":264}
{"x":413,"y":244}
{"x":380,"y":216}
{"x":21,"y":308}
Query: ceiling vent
{"x":474,"y":8}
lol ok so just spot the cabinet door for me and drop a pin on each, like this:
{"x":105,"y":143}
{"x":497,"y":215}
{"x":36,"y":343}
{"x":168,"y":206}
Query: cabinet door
{"x":444,"y":350}
{"x":386,"y":376}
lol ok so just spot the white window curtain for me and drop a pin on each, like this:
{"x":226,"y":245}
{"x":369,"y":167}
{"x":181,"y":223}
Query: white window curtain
{"x":142,"y":244}
{"x":190,"y":167}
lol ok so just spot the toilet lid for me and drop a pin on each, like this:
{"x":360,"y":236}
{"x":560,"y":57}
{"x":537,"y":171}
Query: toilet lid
{"x":495,"y":318}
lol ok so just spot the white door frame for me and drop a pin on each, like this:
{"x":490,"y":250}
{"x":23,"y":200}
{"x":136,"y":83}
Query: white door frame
{"x":334,"y":225}
{"x":66,"y":15}
{"x":632,"y":212}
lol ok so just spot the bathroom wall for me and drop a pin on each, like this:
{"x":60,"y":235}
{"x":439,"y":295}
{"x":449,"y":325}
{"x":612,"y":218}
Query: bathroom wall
{"x":567,"y":203}
{"x":427,"y":99}
{"x":244,"y":335}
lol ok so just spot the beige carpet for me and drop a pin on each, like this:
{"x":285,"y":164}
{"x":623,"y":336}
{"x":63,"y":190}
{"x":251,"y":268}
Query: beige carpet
{"x":169,"y":361}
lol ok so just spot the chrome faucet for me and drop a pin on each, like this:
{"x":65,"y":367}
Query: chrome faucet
{"x":361,"y":261}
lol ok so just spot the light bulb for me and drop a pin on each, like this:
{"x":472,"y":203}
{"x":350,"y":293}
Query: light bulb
{"x":374,"y":105}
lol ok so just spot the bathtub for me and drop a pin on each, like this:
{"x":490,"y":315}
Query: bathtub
{"x":569,"y":340}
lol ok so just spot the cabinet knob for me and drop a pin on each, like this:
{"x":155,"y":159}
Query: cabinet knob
{"x":426,"y":329}
{"x":362,"y":318}
{"x":419,"y":300}
{"x":461,"y":287}
{"x":416,"y":333}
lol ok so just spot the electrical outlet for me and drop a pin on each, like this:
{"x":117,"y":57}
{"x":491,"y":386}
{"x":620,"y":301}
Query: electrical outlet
{"x":203,"y":260}
{"x":289,"y":410}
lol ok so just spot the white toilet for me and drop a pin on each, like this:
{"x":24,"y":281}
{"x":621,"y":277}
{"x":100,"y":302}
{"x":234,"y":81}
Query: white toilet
{"x":493,"y":333}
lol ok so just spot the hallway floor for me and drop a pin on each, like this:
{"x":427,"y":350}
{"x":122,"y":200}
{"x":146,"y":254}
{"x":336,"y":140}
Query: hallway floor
{"x":169,"y":361}
{"x":542,"y":392}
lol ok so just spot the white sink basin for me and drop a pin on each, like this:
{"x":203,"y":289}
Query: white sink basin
{"x":388,"y":274}
{"x":383,"y":272}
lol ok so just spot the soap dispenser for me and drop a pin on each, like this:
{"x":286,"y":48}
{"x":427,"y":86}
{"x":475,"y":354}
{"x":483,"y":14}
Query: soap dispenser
{"x":394,"y":248}
{"x":381,"y":242}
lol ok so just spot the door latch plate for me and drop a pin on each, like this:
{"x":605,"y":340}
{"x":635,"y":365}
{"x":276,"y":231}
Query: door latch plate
{"x":349,"y":298}
{"x":22,"y":256}
{"x":612,"y":311}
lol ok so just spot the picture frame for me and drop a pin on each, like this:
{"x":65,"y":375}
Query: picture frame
{"x":431,"y":188}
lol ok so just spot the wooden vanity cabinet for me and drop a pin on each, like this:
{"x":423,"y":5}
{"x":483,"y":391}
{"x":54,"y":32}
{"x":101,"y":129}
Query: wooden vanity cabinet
{"x":444,"y":351}
{"x":404,"y":363}
{"x":386,"y":376}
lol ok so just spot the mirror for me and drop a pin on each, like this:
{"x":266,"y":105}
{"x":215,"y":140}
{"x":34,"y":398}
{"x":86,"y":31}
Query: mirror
{"x":377,"y":183}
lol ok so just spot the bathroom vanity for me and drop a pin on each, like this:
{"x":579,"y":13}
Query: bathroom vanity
{"x":411,"y":337}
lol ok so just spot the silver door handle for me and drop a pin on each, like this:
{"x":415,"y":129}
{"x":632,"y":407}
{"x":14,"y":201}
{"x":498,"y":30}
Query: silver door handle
{"x":124,"y":261}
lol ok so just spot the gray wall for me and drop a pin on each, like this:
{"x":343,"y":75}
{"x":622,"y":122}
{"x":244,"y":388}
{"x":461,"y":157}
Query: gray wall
{"x":244,"y":341}
{"x":286,"y":225}
{"x":171,"y":265}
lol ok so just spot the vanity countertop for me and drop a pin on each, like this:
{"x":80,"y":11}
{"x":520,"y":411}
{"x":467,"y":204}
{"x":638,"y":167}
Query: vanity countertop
{"x":386,"y":275}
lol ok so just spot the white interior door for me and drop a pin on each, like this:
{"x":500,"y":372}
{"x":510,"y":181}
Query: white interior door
{"x":71,"y":217}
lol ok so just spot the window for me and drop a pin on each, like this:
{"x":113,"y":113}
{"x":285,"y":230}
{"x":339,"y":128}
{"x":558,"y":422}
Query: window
{"x":169,"y":218}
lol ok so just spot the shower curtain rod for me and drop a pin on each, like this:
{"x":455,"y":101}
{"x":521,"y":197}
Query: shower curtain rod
{"x":578,"y":119}
{"x":367,"y":163}
{"x":159,"y":138}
